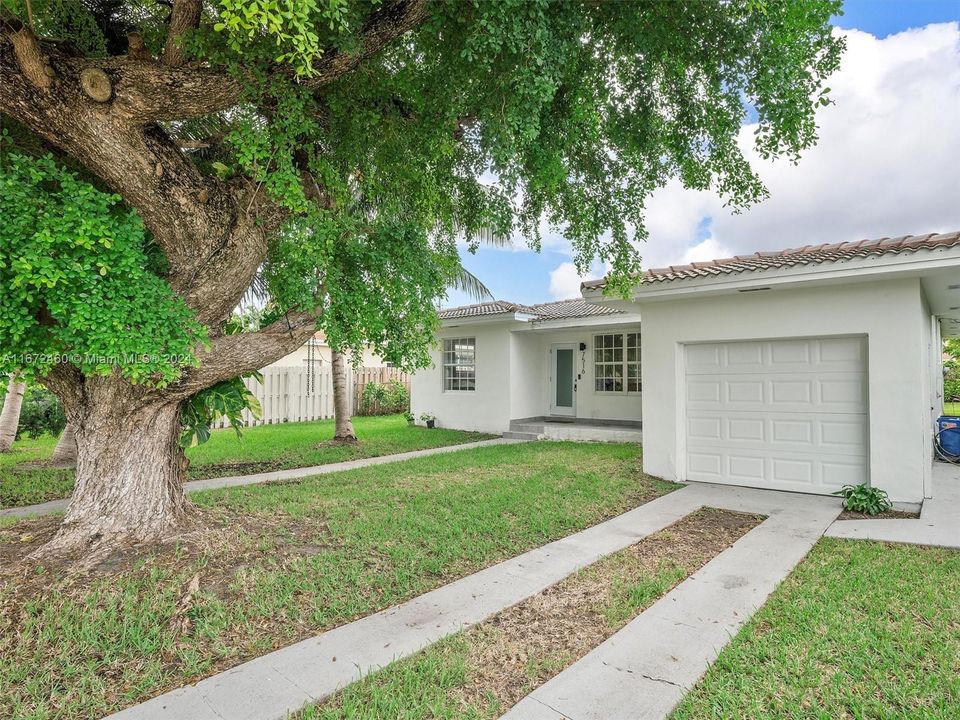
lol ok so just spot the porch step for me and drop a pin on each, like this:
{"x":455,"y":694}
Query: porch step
{"x":535,"y":428}
{"x":515,"y":435}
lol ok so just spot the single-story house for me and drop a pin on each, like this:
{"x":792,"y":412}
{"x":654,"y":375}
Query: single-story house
{"x":499,"y":365}
{"x":802,"y":369}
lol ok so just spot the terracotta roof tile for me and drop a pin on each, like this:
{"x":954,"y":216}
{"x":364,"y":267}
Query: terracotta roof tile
{"x":792,"y":257}
{"x":562,"y":309}
{"x":496,"y":307}
{"x":576,"y":308}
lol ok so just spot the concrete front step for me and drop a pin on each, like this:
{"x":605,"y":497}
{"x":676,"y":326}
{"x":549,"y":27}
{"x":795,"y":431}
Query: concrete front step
{"x":536,"y":428}
{"x":520,"y":435}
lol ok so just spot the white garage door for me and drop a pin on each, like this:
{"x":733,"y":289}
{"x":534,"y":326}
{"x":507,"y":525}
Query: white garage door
{"x":778,"y":414}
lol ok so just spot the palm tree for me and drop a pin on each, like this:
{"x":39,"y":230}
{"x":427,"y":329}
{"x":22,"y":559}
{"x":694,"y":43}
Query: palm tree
{"x":343,"y":419}
{"x":65,"y":454}
{"x":10,"y":416}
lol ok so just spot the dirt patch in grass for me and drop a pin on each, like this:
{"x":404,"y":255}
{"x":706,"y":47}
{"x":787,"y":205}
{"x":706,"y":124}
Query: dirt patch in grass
{"x":527,"y":644}
{"x":502,"y":660}
{"x":887,"y":515}
{"x":226,"y":539}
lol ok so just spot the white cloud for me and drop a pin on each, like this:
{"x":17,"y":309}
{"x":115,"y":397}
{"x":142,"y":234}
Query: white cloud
{"x":709,"y":249}
{"x":885,"y":164}
{"x":565,"y":281}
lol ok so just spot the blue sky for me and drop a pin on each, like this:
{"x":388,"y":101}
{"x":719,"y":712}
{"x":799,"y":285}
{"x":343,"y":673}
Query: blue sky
{"x":843,"y":190}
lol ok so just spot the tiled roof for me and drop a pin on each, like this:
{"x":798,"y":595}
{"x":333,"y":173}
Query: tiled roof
{"x":576,"y":308}
{"x":807,"y":255}
{"x":560,"y":310}
{"x":496,"y":307}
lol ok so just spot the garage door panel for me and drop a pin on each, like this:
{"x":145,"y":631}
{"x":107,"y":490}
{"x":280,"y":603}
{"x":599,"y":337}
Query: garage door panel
{"x":777,"y":356}
{"x":815,"y":432}
{"x":797,"y":472}
{"x":781,"y":414}
{"x":836,"y":473}
{"x":821,"y":392}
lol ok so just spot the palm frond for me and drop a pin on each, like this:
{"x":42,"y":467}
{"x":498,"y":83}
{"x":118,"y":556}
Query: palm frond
{"x":466,"y":282}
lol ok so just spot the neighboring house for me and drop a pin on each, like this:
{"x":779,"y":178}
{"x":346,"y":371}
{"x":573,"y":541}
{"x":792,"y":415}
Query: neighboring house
{"x":802,"y":369}
{"x":318,"y":351}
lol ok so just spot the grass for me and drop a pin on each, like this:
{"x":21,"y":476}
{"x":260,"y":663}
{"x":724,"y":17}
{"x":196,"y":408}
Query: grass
{"x":859,"y":630}
{"x":259,"y":449}
{"x":480,"y":673}
{"x":951,"y":408}
{"x":278,"y":563}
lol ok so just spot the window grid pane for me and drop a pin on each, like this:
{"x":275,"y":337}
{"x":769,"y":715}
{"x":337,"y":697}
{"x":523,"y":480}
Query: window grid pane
{"x":634,"y":383}
{"x":616,"y":362}
{"x":459,"y":364}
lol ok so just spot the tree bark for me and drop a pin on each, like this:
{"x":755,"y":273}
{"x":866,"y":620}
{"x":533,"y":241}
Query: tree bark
{"x":343,"y":430}
{"x":65,"y":454}
{"x":10,"y":417}
{"x":130,"y":472}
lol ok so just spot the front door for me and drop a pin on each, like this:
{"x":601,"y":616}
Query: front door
{"x":563,"y":395}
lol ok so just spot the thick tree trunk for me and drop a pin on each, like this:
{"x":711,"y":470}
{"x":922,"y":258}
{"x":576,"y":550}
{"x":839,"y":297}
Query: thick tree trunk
{"x":65,"y":454}
{"x":341,"y":401}
{"x":130,"y":473}
{"x":10,"y":417}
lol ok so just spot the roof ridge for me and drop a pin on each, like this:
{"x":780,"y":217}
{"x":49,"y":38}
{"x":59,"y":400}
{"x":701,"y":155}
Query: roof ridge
{"x":789,"y":257}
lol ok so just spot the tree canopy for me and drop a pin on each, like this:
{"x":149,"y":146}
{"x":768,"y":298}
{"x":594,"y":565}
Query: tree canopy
{"x":442,"y":116}
{"x":162,"y":156}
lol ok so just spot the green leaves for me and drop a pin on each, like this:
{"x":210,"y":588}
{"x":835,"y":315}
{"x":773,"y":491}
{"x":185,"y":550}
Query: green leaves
{"x":864,"y":499}
{"x":77,"y":284}
{"x":226,"y":399}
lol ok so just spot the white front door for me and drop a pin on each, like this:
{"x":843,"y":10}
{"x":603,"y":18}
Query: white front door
{"x":563,"y":388}
{"x":778,"y":414}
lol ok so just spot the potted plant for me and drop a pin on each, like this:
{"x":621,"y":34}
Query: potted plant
{"x":411,"y":420}
{"x":429,"y":420}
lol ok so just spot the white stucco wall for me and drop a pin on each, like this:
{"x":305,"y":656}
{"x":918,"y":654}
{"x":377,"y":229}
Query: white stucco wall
{"x":513,"y":379}
{"x":526,"y":388}
{"x":890,"y":313}
{"x":590,"y":404}
{"x":487,"y":409}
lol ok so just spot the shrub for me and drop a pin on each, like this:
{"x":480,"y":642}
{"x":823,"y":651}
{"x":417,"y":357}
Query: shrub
{"x":864,"y":499}
{"x":384,"y":398}
{"x":41,"y":413}
{"x":396,"y":396}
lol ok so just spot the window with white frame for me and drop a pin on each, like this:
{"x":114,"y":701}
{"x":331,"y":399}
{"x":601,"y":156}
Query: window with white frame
{"x":616,"y":362}
{"x":459,"y":364}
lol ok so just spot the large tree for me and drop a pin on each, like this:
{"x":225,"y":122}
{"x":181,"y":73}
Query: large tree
{"x":218,"y":140}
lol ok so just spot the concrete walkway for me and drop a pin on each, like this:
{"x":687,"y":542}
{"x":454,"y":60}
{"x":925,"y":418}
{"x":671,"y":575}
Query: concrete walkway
{"x":645,"y":669}
{"x":938,"y":524}
{"x":55,"y":506}
{"x":721,"y":598}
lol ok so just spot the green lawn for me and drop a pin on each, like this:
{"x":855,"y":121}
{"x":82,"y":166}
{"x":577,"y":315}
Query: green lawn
{"x":277,"y":563}
{"x":951,"y":408}
{"x":481,"y":672}
{"x":860,"y":630}
{"x":260,"y":449}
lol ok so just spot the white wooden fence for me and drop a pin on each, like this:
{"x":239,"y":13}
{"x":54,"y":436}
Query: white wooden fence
{"x":294,"y":394}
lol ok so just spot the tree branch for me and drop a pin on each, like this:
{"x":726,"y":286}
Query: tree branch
{"x":233,"y":355}
{"x":208,"y":229}
{"x":26,"y":48}
{"x":184,"y":16}
{"x":381,"y":28}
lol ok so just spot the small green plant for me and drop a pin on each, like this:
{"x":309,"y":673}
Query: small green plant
{"x":225,"y":399}
{"x":864,"y":499}
{"x":409,"y":417}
